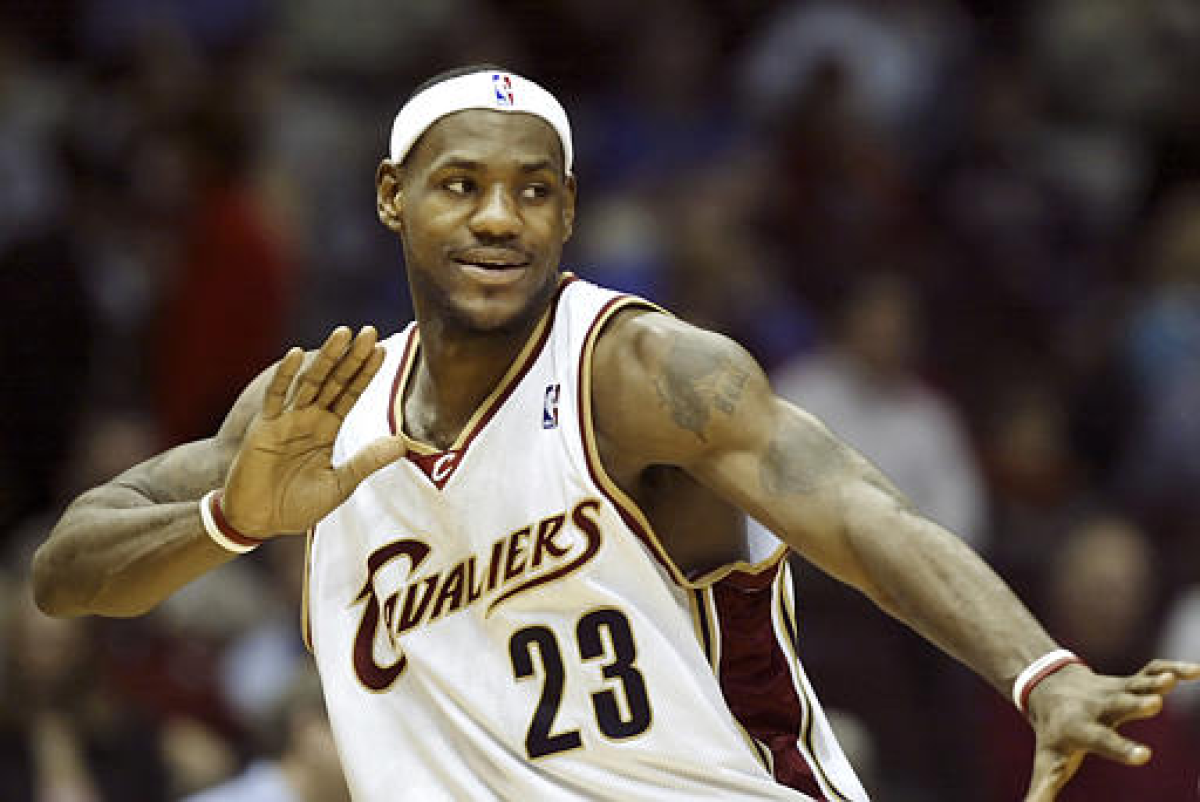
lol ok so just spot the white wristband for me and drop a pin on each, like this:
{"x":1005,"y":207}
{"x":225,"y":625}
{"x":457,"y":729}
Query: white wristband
{"x":220,"y":530}
{"x":1037,"y":671}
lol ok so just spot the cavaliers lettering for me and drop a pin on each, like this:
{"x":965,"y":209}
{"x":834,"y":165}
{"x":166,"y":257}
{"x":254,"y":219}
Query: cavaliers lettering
{"x":527,"y":558}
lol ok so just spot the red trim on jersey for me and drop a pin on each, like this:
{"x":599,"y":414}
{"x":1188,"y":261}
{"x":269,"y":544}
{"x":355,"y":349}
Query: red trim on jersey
{"x":756,"y":677}
{"x":585,"y":428}
{"x":401,"y":372}
{"x":534,"y":353}
{"x":439,"y":466}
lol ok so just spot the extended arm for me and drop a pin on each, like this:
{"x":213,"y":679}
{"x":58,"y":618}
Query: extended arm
{"x":677,"y":395}
{"x":121,"y":548}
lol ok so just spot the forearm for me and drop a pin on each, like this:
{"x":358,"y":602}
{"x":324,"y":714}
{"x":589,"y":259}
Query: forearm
{"x":115,"y":552}
{"x":930,"y":580}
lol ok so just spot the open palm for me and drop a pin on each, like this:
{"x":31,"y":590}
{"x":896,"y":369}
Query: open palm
{"x":283,"y":479}
{"x":1082,"y":713}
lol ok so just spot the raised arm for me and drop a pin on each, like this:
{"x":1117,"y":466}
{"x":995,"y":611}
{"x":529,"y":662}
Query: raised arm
{"x":677,"y":395}
{"x":121,"y":548}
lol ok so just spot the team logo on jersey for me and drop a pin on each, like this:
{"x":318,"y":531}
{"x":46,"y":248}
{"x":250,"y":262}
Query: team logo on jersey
{"x":397,"y":597}
{"x":438,"y":467}
{"x":550,"y":406}
{"x":502,"y":86}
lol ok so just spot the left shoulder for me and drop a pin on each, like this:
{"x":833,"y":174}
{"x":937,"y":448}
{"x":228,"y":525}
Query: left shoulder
{"x":667,"y":389}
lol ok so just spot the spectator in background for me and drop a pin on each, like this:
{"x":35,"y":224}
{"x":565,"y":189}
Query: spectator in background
{"x":298,"y":761}
{"x":1181,"y":638}
{"x":46,"y":323}
{"x":65,"y":736}
{"x":864,"y":385}
{"x":1162,"y":356}
{"x":218,"y":339}
{"x":1038,"y":488}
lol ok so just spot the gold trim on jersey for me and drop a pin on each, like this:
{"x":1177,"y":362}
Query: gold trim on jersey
{"x":784,"y":606}
{"x":703,"y":614}
{"x":490,"y":405}
{"x":626,"y":506}
{"x":710,"y":578}
{"x":707,"y":621}
{"x":305,"y":613}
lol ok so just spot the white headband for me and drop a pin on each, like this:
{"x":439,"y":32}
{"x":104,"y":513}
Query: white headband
{"x":494,"y":90}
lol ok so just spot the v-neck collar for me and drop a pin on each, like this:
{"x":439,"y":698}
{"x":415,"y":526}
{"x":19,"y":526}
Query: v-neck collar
{"x":439,"y":464}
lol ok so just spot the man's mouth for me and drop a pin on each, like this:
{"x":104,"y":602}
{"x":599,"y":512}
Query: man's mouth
{"x":492,"y":258}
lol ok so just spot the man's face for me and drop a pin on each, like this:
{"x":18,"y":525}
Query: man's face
{"x":483,"y":209}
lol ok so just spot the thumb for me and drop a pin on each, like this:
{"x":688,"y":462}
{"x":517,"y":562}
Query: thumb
{"x":1051,"y":771}
{"x":371,"y":458}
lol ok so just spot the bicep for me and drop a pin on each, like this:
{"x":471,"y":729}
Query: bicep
{"x":683,"y":396}
{"x":786,"y":469}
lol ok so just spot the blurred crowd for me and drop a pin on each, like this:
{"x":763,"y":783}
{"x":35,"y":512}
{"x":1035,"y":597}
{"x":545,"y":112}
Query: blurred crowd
{"x":965,"y":233}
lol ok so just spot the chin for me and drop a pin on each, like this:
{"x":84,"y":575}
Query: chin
{"x":504,"y":315}
{"x":493,"y":317}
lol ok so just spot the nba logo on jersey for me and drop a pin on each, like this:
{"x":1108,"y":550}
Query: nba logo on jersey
{"x":550,"y":407}
{"x":502,"y":85}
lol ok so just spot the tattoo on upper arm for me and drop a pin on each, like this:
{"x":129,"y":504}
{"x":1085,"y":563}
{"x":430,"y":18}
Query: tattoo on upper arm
{"x":801,"y":457}
{"x":695,"y":380}
{"x":798,"y":458}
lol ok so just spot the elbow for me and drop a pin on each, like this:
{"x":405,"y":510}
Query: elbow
{"x":56,"y":593}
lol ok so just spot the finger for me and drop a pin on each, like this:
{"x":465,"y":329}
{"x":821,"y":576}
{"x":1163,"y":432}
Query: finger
{"x":277,"y":390}
{"x":371,"y":458}
{"x":1129,"y":706}
{"x":1051,"y":771}
{"x":349,"y":397}
{"x":1108,"y":743}
{"x":1180,"y":668}
{"x":315,"y":374}
{"x":1154,"y":683}
{"x":360,"y":350}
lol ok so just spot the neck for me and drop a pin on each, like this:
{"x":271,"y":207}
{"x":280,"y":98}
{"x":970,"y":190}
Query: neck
{"x":455,"y":372}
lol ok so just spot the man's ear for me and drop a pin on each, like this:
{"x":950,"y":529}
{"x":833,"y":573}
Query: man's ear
{"x":569,"y":206}
{"x":388,"y":200}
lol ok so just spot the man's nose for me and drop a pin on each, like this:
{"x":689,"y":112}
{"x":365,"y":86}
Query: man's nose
{"x":496,"y":217}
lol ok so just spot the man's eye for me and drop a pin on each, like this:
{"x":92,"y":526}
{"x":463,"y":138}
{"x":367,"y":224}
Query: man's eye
{"x":535,"y":192}
{"x":459,"y":186}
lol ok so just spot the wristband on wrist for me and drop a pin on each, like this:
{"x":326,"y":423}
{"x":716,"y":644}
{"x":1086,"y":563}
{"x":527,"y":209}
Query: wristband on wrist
{"x":1037,"y":671}
{"x":219,"y":528}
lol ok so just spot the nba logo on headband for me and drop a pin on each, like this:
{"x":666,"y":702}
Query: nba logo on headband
{"x":490,"y":90}
{"x":502,"y":85}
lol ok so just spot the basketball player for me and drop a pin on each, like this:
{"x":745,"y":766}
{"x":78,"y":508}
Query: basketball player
{"x":528,"y":576}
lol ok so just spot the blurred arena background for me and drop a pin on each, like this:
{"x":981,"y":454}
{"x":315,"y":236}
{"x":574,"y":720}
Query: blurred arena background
{"x":967,"y":234}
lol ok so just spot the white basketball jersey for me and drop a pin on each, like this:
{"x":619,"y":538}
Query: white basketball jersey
{"x":497,"y":621}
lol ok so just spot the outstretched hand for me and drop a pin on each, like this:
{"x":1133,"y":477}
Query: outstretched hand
{"x":283,"y":479}
{"x":1076,"y":711}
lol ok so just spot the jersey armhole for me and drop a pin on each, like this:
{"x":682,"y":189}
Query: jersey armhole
{"x":631,"y":513}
